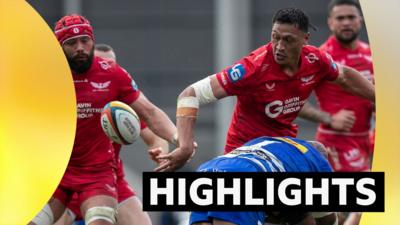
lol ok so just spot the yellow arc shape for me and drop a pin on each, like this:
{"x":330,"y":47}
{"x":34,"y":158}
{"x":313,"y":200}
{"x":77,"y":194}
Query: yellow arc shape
{"x":38,"y":113}
{"x":382,"y":20}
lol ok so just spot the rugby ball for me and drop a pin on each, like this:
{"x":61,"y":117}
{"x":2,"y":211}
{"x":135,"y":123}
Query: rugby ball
{"x":120,"y":123}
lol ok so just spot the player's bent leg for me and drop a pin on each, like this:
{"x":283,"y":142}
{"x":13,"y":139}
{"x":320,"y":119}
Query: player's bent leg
{"x":100,"y":210}
{"x":130,"y":212}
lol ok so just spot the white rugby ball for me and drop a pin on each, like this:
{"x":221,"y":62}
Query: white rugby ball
{"x":120,"y":123}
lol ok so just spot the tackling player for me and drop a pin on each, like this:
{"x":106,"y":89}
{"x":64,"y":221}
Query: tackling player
{"x":271,"y":84}
{"x":91,"y":169}
{"x":344,"y":118}
{"x":265,"y":154}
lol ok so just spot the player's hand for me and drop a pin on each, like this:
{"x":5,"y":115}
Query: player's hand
{"x":154,"y":153}
{"x":175,"y":159}
{"x":343,"y":120}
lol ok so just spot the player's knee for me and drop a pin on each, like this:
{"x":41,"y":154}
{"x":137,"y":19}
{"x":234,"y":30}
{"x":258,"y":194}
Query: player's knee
{"x":101,"y":213}
{"x":131,"y":212}
{"x":44,"y":217}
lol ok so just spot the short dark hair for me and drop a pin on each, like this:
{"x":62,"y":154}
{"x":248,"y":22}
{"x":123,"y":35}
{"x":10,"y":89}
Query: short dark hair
{"x":103,"y":47}
{"x":334,"y":3}
{"x":292,"y":16}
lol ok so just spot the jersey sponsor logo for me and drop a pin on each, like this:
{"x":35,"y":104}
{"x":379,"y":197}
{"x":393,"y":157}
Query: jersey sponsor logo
{"x":270,"y":87}
{"x":104,"y":65}
{"x":277,"y":107}
{"x":81,"y":81}
{"x":224,"y":81}
{"x":307,"y":80}
{"x":312,"y":58}
{"x":274,"y":109}
{"x":100,"y":86}
{"x":352,"y":154}
{"x":334,"y":66}
{"x":236,"y":72}
{"x":355,"y":158}
{"x":359,"y":163}
{"x":333,"y":63}
{"x":85,"y":110}
{"x":134,"y":85}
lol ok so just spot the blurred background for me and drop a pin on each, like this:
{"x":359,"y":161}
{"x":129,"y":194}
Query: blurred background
{"x":167,"y":45}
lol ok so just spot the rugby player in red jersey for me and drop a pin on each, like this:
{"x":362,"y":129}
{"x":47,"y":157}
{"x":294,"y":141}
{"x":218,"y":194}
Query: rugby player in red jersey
{"x":344,"y":118}
{"x":130,"y":211}
{"x":91,"y":170}
{"x":271,"y":84}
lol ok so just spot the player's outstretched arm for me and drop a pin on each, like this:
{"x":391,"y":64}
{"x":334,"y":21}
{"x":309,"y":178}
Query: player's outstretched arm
{"x":200,"y":93}
{"x":312,"y":113}
{"x":154,"y":117}
{"x":155,"y":144}
{"x":352,"y":81}
{"x":340,"y":121}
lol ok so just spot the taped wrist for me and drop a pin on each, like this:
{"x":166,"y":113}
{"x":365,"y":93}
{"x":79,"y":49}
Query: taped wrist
{"x":187,"y":107}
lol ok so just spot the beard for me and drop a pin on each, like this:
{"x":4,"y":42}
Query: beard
{"x":81,"y":66}
{"x":347,"y":39}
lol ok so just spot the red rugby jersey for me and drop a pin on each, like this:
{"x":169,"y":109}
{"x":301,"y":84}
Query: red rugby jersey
{"x":104,"y":82}
{"x":333,"y":98}
{"x":268,"y":100}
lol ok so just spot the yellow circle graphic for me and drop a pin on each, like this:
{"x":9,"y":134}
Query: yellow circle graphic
{"x":38,"y":113}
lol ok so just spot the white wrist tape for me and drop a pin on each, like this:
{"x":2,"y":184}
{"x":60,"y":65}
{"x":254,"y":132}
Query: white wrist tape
{"x":187,"y":107}
{"x":203,"y":91}
{"x":188,"y":102}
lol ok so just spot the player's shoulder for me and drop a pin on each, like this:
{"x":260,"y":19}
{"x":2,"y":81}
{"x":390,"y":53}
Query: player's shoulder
{"x":108,"y":66}
{"x":311,"y":49}
{"x":314,"y":55}
{"x":258,"y":55}
{"x":105,"y":65}
{"x":326,"y":46}
{"x":330,"y":43}
{"x":364,"y":46}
